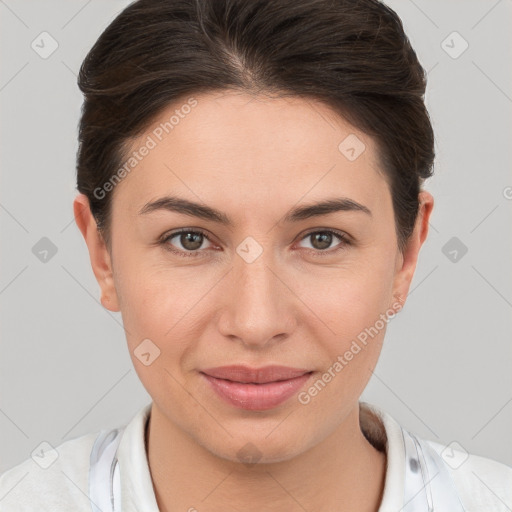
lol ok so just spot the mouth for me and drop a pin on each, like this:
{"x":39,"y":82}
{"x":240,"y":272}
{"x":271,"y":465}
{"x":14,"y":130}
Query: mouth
{"x":256,"y":389}
{"x":263,"y":375}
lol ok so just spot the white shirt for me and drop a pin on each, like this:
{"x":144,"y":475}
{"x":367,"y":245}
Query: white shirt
{"x":59,"y":481}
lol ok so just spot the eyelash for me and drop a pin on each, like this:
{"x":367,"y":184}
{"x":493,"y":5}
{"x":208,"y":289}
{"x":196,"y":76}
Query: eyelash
{"x":344,"y":241}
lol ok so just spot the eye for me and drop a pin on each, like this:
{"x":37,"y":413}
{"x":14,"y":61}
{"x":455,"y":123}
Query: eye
{"x":190,"y":241}
{"x":321,"y":240}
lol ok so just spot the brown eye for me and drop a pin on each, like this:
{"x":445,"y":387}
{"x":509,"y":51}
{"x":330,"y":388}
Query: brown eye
{"x":321,"y":241}
{"x":189,"y":242}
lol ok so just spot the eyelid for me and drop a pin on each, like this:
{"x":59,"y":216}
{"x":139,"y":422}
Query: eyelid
{"x":174,"y":232}
{"x":341,"y":234}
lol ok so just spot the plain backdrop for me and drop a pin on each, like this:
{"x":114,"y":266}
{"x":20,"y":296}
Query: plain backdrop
{"x":445,"y":369}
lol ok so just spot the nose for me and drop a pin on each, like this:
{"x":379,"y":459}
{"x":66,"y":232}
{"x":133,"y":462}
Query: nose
{"x":259,"y":306}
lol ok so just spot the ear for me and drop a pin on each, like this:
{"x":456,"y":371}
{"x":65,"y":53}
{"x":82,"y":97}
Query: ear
{"x":99,"y":255}
{"x":406,"y":262}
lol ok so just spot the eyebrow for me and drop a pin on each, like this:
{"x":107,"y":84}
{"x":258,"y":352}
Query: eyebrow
{"x":187,"y":207}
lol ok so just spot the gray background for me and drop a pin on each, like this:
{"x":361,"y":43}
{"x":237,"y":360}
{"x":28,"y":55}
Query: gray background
{"x":444,"y":372}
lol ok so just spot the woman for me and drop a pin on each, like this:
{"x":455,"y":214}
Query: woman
{"x":250,"y":178}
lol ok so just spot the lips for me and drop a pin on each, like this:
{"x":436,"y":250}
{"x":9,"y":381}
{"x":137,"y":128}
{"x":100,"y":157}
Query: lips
{"x":246,"y":375}
{"x":256,"y":389}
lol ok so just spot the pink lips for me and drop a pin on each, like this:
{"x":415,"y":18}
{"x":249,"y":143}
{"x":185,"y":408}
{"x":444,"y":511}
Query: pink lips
{"x":258,"y":388}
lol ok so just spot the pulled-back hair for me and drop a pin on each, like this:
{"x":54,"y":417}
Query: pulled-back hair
{"x":351,"y":54}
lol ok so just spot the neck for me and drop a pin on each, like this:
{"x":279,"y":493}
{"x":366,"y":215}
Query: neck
{"x":343,"y":472}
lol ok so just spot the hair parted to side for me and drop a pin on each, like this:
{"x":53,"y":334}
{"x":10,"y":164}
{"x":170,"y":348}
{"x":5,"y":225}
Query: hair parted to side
{"x":351,"y":54}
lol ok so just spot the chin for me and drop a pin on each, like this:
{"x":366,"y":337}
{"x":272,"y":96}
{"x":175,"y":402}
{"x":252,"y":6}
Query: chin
{"x":251,"y":450}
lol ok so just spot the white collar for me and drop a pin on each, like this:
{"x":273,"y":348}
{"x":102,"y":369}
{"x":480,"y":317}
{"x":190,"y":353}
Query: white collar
{"x":393,"y":496}
{"x":137,"y":488}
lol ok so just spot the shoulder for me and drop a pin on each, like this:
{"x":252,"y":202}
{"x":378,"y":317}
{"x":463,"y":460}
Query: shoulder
{"x":482,"y":483}
{"x":52,"y":479}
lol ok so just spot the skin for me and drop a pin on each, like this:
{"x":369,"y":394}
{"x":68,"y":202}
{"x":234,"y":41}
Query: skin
{"x":255,"y":158}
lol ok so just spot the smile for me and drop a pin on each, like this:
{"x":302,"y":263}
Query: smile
{"x":253,"y":389}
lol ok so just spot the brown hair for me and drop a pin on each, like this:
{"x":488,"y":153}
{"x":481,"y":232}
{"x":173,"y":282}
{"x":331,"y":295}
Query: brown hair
{"x":351,"y":54}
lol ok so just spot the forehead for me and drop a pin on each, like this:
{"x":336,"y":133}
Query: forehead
{"x":231,"y":145}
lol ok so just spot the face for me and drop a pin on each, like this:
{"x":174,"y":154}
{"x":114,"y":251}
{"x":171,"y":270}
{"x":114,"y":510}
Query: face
{"x":267,"y":281}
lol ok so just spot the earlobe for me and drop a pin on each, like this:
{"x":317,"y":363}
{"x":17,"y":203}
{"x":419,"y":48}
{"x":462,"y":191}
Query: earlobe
{"x":98,"y":253}
{"x":409,"y":259}
{"x":398,"y":303}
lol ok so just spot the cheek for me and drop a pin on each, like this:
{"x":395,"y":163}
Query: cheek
{"x":156,"y":310}
{"x":350,"y":352}
{"x":357,"y":309}
{"x":165,"y":305}
{"x":153,"y":307}
{"x":349,"y":298}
